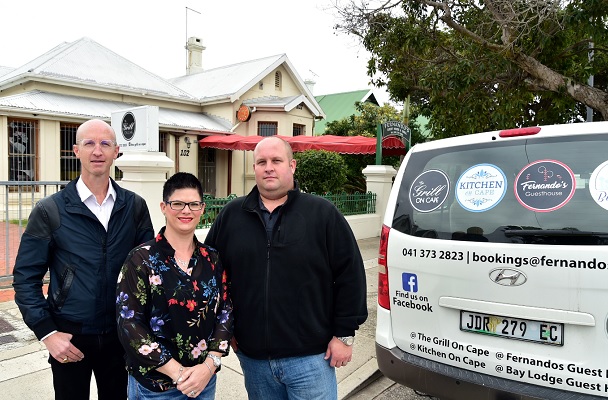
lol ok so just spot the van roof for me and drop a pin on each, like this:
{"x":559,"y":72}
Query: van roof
{"x":545,"y":131}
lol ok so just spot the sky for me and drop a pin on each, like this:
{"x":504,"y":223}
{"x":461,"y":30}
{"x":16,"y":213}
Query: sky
{"x":153,"y":33}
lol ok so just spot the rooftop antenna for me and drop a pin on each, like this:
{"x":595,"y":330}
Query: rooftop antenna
{"x":312,"y":72}
{"x":188,"y":8}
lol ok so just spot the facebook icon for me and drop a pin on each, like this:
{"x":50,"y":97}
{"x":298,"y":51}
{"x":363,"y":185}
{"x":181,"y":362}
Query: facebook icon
{"x":410,"y":282}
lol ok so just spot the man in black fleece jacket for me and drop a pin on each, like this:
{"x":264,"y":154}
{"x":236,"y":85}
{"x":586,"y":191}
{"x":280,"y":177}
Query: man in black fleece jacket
{"x":298,"y":282}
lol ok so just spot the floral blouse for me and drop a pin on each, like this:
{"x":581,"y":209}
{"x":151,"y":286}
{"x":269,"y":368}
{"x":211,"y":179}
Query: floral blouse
{"x":164,"y":312}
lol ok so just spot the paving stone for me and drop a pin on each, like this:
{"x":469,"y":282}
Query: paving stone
{"x":7,"y":339}
{"x":5,"y":326}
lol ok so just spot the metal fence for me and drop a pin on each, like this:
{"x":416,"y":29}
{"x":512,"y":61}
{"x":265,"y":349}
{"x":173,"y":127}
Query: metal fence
{"x":213,"y":206}
{"x":18,"y":198}
{"x":347,"y":203}
{"x":353,"y":203}
{"x":16,"y":202}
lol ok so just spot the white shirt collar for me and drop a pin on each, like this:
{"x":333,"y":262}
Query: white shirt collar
{"x":85,"y":193}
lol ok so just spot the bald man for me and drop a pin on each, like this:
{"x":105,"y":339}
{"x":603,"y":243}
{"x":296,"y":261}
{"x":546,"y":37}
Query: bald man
{"x":81,"y":236}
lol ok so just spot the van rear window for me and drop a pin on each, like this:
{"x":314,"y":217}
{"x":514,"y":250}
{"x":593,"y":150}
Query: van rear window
{"x":536,"y":190}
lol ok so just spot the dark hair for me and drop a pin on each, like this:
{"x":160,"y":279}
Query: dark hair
{"x":181,"y":180}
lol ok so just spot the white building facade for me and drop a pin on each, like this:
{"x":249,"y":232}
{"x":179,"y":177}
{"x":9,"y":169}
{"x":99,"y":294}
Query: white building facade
{"x":43,"y":102}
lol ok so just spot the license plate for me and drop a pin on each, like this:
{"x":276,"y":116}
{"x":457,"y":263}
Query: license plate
{"x":513,"y":328}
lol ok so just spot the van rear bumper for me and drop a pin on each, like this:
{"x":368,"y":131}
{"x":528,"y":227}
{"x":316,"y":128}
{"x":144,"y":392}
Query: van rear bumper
{"x":451,"y":383}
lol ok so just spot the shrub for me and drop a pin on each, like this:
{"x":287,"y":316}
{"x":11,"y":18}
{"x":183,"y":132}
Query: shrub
{"x":320,"y":171}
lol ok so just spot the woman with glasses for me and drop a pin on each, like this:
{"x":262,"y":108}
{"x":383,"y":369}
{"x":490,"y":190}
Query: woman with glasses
{"x":173,"y":307}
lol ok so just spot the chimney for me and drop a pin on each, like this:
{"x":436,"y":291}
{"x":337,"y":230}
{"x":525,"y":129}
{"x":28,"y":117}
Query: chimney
{"x":195,"y":55}
{"x":310,"y":84}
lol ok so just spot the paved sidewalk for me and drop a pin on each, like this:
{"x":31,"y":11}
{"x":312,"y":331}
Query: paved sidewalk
{"x":25,"y":373}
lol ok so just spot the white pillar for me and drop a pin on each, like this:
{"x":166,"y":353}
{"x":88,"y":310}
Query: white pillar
{"x":379,"y":179}
{"x":145,"y":173}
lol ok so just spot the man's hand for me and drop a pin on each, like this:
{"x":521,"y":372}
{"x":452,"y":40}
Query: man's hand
{"x":61,"y":348}
{"x":338,"y":353}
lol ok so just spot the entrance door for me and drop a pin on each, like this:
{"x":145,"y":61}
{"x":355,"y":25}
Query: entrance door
{"x":206,"y":170}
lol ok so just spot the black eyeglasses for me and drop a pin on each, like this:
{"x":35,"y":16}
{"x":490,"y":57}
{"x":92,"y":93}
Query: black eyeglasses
{"x":178,"y":205}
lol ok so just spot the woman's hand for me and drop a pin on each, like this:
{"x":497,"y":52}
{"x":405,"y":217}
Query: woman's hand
{"x":195,"y":379}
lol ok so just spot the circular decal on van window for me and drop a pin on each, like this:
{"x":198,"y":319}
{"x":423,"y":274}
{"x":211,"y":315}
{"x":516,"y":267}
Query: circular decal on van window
{"x":481,"y":187}
{"x":429,"y":190}
{"x":544,"y":185}
{"x":598,"y":185}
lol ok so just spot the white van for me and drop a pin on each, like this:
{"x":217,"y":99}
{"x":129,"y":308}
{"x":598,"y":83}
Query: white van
{"x":493,"y":280}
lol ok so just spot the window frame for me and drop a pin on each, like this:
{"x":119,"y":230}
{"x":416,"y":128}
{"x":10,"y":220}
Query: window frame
{"x":32,"y":145}
{"x":268,"y":128}
{"x":299,"y":130}
{"x":67,"y":157}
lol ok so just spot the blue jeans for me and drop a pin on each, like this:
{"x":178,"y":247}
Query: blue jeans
{"x":291,"y":378}
{"x":138,"y":392}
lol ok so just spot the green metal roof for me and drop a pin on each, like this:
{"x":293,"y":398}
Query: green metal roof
{"x":341,"y":105}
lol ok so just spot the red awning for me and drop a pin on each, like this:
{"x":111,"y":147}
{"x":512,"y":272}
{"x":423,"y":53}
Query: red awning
{"x":391,"y":146}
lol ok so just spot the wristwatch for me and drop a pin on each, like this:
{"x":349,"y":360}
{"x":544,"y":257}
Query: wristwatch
{"x":347,"y":340}
{"x":217,"y":361}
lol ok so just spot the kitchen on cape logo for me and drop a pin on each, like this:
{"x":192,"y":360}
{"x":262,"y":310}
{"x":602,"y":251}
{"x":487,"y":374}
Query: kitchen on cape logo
{"x":481,"y":187}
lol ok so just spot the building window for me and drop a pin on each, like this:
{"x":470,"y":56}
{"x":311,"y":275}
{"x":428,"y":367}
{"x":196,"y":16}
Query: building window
{"x":299,"y":129}
{"x":22,"y":139}
{"x":277,"y":80}
{"x":207,"y":170}
{"x":163,"y":140}
{"x":70,"y":165}
{"x":267,"y":128}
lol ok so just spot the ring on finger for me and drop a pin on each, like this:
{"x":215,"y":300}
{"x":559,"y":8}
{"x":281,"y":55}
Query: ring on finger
{"x":192,"y":393}
{"x":65,"y":360}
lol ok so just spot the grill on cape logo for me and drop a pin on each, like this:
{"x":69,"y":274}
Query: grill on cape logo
{"x":128,"y":126}
{"x":429,"y":190}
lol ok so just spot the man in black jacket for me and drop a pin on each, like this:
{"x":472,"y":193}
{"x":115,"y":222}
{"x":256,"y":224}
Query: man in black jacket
{"x":298,"y":282}
{"x":81,"y":236}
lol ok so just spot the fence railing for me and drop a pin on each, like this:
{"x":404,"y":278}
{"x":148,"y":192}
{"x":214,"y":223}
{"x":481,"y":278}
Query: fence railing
{"x":347,"y":203}
{"x":16,"y":202}
{"x":213,"y":206}
{"x":353,"y":203}
{"x":17,"y":199}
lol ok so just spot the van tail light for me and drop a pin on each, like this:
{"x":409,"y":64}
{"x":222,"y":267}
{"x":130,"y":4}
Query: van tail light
{"x":519,"y":132}
{"x":383,"y":297}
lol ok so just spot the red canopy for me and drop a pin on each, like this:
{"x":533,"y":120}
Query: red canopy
{"x":391,"y":146}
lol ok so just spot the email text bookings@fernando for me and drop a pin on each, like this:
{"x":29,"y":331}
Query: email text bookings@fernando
{"x":473,"y":256}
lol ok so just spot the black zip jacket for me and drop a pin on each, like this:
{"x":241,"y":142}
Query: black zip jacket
{"x":295,"y":290}
{"x":83,"y":261}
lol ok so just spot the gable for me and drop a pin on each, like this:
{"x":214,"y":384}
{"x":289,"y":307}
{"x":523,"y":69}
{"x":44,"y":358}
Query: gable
{"x":225,"y":82}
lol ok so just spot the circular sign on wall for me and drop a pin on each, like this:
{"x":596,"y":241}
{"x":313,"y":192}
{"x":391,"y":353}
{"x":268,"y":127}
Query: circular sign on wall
{"x":481,"y":187}
{"x":128,"y":126}
{"x":598,"y":185}
{"x":545,"y":185}
{"x":429,"y":190}
{"x":243,"y":113}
